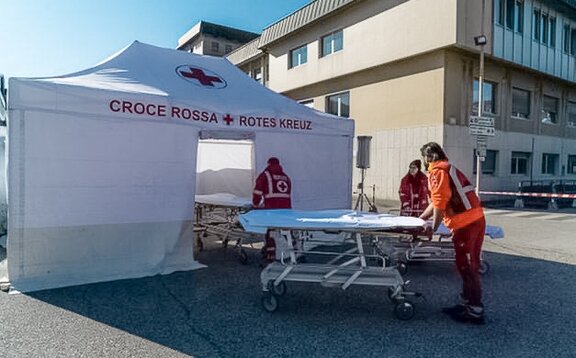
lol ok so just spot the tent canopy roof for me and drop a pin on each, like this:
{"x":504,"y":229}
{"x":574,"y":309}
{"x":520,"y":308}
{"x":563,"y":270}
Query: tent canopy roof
{"x":149,"y":82}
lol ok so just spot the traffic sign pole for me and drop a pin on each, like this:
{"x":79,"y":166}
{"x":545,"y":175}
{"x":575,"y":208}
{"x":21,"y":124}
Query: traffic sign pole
{"x":480,"y":95}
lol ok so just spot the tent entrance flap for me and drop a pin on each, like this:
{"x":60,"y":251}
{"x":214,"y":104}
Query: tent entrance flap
{"x":225,"y":166}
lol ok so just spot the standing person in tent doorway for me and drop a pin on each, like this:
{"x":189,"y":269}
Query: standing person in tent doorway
{"x":273,"y":190}
{"x":413,"y":191}
{"x":454,"y":201}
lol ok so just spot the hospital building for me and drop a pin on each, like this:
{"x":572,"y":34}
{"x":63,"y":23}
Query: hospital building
{"x":408,"y":72}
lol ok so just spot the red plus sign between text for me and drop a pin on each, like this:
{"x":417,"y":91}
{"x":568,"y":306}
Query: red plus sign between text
{"x":228,"y":119}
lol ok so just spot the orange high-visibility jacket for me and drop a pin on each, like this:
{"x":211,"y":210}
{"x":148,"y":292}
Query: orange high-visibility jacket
{"x":452,"y":192}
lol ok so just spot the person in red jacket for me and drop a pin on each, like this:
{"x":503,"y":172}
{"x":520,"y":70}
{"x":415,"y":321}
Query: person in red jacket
{"x":273,"y":190}
{"x":413,"y":191}
{"x":454,"y":201}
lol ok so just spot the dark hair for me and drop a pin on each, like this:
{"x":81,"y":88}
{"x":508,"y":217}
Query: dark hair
{"x":434,"y":151}
{"x":417,"y":163}
{"x":273,"y":161}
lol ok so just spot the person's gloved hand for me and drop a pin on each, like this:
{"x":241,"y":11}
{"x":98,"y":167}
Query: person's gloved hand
{"x":427,"y":230}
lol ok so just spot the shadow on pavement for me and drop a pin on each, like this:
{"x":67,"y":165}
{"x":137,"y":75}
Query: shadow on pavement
{"x":215,"y":312}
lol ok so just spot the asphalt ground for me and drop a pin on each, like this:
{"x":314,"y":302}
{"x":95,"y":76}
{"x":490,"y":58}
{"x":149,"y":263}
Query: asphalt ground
{"x":529,"y":295}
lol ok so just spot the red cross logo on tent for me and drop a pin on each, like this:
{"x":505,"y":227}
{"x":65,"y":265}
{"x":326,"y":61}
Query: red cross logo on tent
{"x":200,"y":76}
{"x":282,"y":186}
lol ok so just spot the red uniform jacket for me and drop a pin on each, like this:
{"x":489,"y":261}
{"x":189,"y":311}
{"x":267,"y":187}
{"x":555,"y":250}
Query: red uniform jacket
{"x":273,"y":189}
{"x":413,"y":194}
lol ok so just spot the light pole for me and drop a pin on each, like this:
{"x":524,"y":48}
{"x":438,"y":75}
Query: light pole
{"x":480,"y":41}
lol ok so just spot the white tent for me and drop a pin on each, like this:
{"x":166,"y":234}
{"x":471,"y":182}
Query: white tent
{"x":102,"y":163}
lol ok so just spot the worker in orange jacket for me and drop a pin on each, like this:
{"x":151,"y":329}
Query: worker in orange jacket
{"x":454,"y":201}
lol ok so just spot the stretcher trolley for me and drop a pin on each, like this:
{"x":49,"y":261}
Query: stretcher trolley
{"x":336,"y":268}
{"x":406,"y":249}
{"x":217,"y":215}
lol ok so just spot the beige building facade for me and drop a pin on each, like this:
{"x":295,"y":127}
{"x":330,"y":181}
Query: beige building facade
{"x":407,"y":72}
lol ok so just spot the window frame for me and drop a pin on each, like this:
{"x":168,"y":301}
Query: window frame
{"x":302,"y":55}
{"x":553,"y":116}
{"x":536,"y":25}
{"x":549,"y":161}
{"x":515,"y":159}
{"x":566,"y":38}
{"x":519,"y":115}
{"x":571,"y":164}
{"x":333,"y":43}
{"x":214,"y":46}
{"x":341,"y":111}
{"x":571,"y":116}
{"x":490,"y":164}
{"x":493,"y":100}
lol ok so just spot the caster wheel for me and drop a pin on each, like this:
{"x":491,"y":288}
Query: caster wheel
{"x":484,"y":267}
{"x":269,"y":302}
{"x":402,"y":268}
{"x":243,"y":257}
{"x":404,"y":310}
{"x":277,"y":291}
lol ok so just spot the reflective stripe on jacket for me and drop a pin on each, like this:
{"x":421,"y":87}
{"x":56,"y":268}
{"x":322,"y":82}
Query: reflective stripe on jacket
{"x":453,"y":193}
{"x":274,"y":188}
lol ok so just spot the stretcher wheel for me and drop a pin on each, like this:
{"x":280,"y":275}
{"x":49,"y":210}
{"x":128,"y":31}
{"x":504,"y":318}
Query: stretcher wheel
{"x":243,"y":257}
{"x":269,"y":302}
{"x":279,"y":290}
{"x":402,"y":268}
{"x":484,"y":267}
{"x":404,"y":310}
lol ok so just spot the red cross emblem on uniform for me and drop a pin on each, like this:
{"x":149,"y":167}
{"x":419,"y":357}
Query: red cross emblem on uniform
{"x":282,"y":186}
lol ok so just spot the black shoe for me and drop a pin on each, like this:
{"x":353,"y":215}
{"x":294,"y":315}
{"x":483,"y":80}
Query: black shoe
{"x":466,"y":317}
{"x":454,"y":309}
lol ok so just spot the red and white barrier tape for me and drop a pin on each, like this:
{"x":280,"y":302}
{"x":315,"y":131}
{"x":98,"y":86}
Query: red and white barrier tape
{"x":538,"y":195}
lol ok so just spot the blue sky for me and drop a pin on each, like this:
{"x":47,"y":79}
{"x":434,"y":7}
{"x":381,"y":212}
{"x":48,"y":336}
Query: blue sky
{"x":54,"y":37}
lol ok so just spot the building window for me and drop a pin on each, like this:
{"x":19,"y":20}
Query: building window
{"x":544,"y":32}
{"x":331,"y":43}
{"x":227,"y":48}
{"x":489,"y":164}
{"x":549,"y":163}
{"x":520,"y":103}
{"x":550,"y":110}
{"x":573,"y":41}
{"x":566,"y":38}
{"x":553,"y":32}
{"x":488,"y":98}
{"x":536,"y":25}
{"x":511,"y":14}
{"x":339,"y":104}
{"x":298,"y":56}
{"x":215,"y":46}
{"x":500,"y":12}
{"x":571,"y":114}
{"x":519,"y":16}
{"x":308,"y":103}
{"x":571,"y":165}
{"x":257,"y":74}
{"x":519,"y":163}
